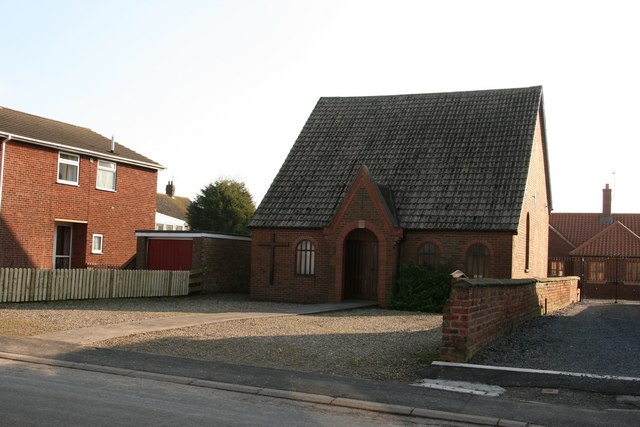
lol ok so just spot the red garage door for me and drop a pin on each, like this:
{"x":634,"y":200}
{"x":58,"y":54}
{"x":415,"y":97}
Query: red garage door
{"x":169,"y":254}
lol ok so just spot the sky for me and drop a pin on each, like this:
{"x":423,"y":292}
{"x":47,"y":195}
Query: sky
{"x":221,"y":89}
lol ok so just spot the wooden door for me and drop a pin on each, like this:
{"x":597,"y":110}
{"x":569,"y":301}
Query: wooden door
{"x":361,"y":266}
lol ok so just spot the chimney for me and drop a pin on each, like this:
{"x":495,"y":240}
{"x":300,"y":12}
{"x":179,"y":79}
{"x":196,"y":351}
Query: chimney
{"x":170,"y":189}
{"x":606,"y":201}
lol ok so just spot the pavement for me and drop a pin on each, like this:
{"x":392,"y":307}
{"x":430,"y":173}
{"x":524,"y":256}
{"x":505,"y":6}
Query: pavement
{"x":461,"y":406}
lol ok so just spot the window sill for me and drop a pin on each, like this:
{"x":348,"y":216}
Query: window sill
{"x":72,"y":184}
{"x":108,"y":190}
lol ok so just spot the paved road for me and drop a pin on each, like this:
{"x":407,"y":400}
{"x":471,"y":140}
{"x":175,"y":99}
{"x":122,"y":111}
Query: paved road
{"x":38,"y":395}
{"x":335,"y":389}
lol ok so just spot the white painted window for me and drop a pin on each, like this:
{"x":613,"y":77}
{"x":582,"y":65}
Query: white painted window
{"x":96,"y":246}
{"x":68,"y":168}
{"x":106,"y":178}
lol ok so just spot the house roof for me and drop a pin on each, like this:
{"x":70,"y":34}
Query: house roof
{"x":175,"y":207}
{"x":615,"y":240}
{"x":42,"y":131}
{"x":449,"y":161}
{"x":577,"y":228}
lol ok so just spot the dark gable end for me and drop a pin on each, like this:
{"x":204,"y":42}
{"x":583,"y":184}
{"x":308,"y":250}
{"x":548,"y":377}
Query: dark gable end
{"x":452,"y":161}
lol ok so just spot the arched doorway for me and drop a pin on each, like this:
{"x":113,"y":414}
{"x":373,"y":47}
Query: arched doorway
{"x":361,"y":265}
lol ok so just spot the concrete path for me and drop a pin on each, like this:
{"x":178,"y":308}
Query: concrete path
{"x":84,"y":336}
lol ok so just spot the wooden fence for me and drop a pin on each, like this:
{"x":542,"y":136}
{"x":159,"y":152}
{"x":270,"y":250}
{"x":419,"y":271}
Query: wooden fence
{"x":24,"y":284}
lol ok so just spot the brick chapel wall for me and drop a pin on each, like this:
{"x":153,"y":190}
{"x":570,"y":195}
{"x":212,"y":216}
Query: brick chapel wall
{"x":453,"y":247}
{"x":359,"y":211}
{"x":287,"y":286}
{"x":32,"y":200}
{"x":481,"y":310}
{"x":536,"y":205}
{"x":225,"y":264}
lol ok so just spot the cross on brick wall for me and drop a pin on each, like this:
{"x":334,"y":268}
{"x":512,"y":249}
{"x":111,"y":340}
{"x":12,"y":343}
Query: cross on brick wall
{"x":273,"y":245}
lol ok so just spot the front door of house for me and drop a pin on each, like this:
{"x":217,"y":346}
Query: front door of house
{"x":361,"y":265}
{"x":62,"y":246}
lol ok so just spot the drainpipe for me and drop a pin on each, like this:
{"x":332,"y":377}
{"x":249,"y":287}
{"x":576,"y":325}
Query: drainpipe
{"x":4,"y":149}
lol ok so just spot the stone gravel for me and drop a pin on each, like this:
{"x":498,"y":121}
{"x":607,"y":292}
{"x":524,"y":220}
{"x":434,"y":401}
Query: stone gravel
{"x":367,"y":343}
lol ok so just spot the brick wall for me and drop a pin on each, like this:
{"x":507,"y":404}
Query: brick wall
{"x":611,"y":290}
{"x":481,"y":310}
{"x":225,"y":264}
{"x":32,"y":201}
{"x":536,"y":207}
{"x":453,"y":246}
{"x":361,"y":209}
{"x":285,"y":285}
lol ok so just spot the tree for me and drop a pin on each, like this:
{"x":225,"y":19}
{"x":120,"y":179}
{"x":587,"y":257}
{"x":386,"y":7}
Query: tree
{"x":225,"y":206}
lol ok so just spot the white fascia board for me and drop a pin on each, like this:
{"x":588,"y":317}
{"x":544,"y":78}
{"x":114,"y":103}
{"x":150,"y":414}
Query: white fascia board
{"x":77,"y":150}
{"x":188,"y":235}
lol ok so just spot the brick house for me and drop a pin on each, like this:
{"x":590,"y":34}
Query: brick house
{"x":69,"y":198}
{"x":454,"y":179}
{"x":603,"y":249}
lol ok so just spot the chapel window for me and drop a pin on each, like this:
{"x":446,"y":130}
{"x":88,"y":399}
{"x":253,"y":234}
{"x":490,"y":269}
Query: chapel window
{"x":305,"y":258}
{"x":527,"y":248}
{"x":428,"y":255}
{"x":478,"y":261}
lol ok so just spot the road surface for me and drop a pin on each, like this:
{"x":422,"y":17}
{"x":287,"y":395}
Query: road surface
{"x":38,"y":395}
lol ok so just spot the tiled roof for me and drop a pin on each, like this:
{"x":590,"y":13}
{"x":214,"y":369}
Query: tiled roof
{"x":451,"y":161}
{"x":614,"y":240}
{"x":37,"y":128}
{"x":174,"y":207}
{"x":577,"y":228}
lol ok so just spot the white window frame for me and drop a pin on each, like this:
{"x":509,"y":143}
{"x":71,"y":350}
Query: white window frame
{"x":97,"y":249}
{"x":105,"y":166}
{"x":68,"y":162}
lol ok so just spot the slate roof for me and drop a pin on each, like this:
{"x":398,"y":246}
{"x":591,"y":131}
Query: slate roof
{"x":47,"y":131}
{"x":451,"y":161}
{"x":174,"y":207}
{"x":615,"y":240}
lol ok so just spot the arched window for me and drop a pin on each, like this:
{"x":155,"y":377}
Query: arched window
{"x":305,"y":258}
{"x":527,"y":249}
{"x":428,"y":255}
{"x":477,"y":261}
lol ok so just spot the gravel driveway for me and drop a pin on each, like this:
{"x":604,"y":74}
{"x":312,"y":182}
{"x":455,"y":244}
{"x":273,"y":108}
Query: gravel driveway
{"x":367,"y":343}
{"x":597,"y":337}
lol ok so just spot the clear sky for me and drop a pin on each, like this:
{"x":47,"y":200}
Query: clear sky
{"x":221,"y":89}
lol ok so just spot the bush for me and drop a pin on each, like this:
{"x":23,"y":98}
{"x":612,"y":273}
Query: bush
{"x":420,"y":289}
